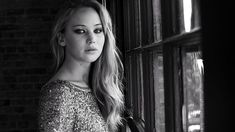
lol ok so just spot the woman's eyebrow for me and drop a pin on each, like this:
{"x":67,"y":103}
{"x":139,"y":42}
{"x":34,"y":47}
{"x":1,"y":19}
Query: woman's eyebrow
{"x":79,"y":25}
{"x":99,"y":24}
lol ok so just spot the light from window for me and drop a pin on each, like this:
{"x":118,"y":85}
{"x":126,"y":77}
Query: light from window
{"x":187,"y":5}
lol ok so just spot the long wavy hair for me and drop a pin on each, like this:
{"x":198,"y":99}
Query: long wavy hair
{"x":106,"y":72}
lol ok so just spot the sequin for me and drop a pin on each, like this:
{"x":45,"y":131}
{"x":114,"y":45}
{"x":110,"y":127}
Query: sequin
{"x":64,"y":107}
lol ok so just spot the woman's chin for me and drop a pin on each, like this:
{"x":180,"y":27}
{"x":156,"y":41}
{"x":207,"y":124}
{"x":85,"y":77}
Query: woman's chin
{"x":92,"y":59}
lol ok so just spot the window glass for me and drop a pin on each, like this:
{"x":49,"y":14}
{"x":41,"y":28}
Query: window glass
{"x":195,"y":19}
{"x":159,"y":91}
{"x":135,"y":91}
{"x":129,"y":101}
{"x":192,"y":111}
{"x":191,"y":15}
{"x":157,"y":20}
{"x":141,"y":88}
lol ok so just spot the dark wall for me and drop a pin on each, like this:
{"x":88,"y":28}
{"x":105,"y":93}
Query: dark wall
{"x":25,"y":60}
{"x":219,"y":61}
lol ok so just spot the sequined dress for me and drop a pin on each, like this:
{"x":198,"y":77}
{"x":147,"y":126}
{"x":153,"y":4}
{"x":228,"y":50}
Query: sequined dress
{"x":66,"y":107}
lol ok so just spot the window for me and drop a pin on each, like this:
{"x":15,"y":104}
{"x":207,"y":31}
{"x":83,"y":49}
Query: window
{"x":158,"y":91}
{"x":192,"y":86}
{"x":163,"y":64}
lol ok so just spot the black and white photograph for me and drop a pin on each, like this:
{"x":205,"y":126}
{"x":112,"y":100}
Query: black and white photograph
{"x":116,"y":66}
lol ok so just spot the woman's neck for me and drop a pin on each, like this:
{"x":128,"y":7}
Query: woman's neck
{"x":74,"y":71}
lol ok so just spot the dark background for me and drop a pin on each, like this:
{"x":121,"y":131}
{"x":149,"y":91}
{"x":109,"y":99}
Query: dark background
{"x":25,"y":61}
{"x":219,"y":63}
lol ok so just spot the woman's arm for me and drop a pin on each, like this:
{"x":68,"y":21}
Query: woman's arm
{"x":56,"y":113}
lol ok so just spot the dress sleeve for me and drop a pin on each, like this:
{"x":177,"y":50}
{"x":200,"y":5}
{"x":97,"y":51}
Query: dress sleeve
{"x":56,"y":112}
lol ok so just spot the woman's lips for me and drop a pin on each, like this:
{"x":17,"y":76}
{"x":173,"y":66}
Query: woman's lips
{"x":92,"y":50}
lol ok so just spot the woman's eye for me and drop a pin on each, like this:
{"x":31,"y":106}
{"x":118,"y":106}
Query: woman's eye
{"x":99,"y":30}
{"x":79,"y":31}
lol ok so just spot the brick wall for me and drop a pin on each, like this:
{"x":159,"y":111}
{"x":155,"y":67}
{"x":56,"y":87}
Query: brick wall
{"x":25,"y":60}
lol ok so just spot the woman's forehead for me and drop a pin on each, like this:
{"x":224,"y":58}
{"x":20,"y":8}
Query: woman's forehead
{"x":85,"y":16}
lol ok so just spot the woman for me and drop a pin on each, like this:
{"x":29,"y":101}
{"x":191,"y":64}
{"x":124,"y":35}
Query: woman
{"x":85,"y":94}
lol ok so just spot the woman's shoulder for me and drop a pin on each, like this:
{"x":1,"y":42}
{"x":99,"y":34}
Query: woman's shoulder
{"x":55,"y":84}
{"x":55,"y":87}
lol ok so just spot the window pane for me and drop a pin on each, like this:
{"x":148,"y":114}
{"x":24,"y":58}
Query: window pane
{"x":128,"y":96}
{"x":157,"y":20}
{"x":135,"y":91}
{"x":195,"y":20}
{"x":134,"y":16}
{"x":159,"y":91}
{"x":191,"y":14}
{"x":187,"y":8}
{"x":193,"y":94}
{"x":139,"y":98}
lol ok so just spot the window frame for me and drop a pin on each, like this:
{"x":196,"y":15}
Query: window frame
{"x":173,"y":84}
{"x":139,"y":37}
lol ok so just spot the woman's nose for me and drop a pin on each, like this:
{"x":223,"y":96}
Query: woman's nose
{"x":91,"y":38}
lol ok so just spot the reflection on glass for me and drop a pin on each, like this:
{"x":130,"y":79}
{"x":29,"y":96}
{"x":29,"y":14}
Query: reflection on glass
{"x":193,"y":95}
{"x":159,"y":91}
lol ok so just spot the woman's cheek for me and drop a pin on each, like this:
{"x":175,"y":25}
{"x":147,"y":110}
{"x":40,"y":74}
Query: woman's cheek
{"x":102,"y":41}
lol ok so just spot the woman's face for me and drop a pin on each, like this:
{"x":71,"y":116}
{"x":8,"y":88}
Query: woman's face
{"x":84,"y":36}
